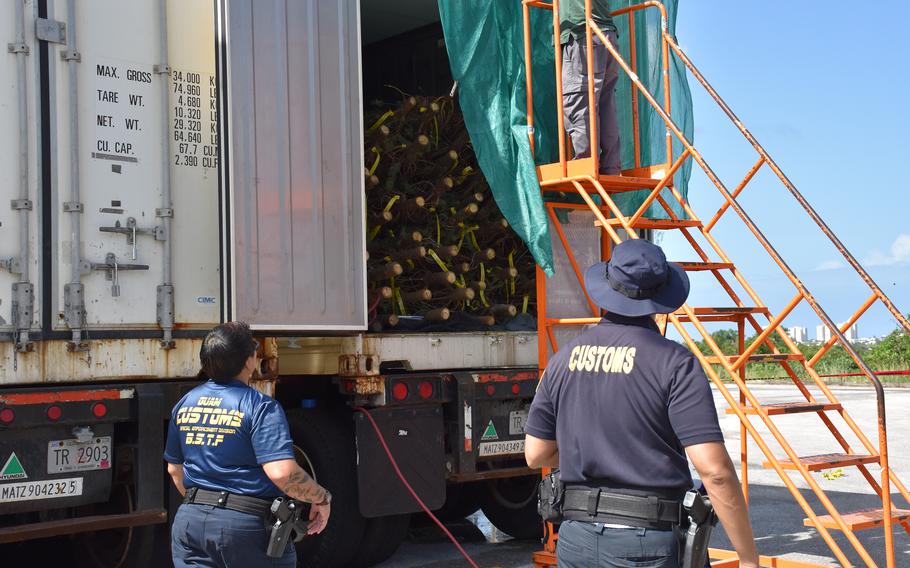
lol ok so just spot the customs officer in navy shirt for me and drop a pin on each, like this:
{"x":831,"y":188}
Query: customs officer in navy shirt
{"x":229,"y":452}
{"x":618,"y":410}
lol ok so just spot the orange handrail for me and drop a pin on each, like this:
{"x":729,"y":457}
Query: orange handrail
{"x":583,"y":184}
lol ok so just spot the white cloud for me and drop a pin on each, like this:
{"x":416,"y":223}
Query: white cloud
{"x":829,"y":265}
{"x":898,"y":254}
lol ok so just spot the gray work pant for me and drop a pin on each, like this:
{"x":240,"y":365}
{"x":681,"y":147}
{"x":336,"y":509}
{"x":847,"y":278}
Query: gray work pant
{"x":575,"y":100}
{"x":593,"y":545}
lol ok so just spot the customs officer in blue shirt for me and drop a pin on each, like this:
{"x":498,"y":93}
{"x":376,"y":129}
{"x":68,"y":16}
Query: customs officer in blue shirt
{"x":230,"y":453}
{"x":618,"y":410}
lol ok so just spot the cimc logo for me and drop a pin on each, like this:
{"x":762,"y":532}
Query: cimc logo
{"x":207,"y":300}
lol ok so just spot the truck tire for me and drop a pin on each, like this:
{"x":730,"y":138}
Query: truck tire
{"x":511,"y":505}
{"x":324,"y":441}
{"x":462,"y":499}
{"x":381,"y":538}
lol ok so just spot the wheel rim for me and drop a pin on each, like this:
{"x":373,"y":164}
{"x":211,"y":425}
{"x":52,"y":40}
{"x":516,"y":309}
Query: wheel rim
{"x":514,"y":492}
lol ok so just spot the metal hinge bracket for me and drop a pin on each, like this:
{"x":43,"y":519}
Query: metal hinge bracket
{"x":17,"y":48}
{"x":50,"y":30}
{"x":72,"y":207}
{"x":23,"y":306}
{"x":74,"y":305}
{"x":21,"y":204}
{"x":165,"y":306}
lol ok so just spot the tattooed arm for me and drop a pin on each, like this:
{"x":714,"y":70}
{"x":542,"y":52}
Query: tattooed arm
{"x":296,"y":483}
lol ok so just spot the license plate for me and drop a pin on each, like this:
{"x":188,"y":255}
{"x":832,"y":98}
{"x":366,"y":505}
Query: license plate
{"x":517,"y":419}
{"x":45,"y":489}
{"x":502,"y":448}
{"x":73,"y":455}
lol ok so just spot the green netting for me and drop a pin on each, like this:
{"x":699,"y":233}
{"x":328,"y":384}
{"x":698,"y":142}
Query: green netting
{"x":485,"y":44}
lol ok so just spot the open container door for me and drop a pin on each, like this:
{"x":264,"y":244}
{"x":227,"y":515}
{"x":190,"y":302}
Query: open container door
{"x":292,"y":164}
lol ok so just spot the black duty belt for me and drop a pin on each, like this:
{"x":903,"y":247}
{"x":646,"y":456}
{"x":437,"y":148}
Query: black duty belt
{"x":601,"y":506}
{"x":227,"y":500}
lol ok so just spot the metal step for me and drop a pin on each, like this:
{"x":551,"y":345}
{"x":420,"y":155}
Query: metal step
{"x":761,"y":358}
{"x":704,"y":266}
{"x":861,"y":520}
{"x":790,"y":408}
{"x":658,"y":224}
{"x":734,"y":313}
{"x":827,"y":461}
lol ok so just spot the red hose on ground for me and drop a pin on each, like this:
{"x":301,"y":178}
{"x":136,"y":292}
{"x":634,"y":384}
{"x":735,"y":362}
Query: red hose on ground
{"x":410,"y":489}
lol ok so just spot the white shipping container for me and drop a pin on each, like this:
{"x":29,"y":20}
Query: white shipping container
{"x":274,"y":234}
{"x":130,"y":143}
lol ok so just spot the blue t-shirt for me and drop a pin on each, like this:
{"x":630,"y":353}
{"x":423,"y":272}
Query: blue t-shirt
{"x":223,"y":433}
{"x":622,"y":403}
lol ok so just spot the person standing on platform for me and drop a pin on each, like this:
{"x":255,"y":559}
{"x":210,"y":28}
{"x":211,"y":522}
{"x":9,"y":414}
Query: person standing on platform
{"x":576,"y":109}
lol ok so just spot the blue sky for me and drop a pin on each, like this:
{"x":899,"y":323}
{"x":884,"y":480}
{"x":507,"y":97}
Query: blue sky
{"x":824,"y":89}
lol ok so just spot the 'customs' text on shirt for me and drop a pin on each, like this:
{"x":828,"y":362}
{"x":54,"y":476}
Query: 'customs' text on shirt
{"x":601,"y":358}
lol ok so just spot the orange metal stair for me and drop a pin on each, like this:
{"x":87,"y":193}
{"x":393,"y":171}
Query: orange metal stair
{"x":727,"y":372}
{"x":861,"y":520}
{"x":822,"y":462}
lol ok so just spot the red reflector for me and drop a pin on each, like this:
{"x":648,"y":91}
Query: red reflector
{"x":515,"y":388}
{"x":7,"y":415}
{"x":348,"y":386}
{"x":54,"y":413}
{"x":400,"y":391}
{"x":491,"y":390}
{"x":99,"y":409}
{"x":425,"y":389}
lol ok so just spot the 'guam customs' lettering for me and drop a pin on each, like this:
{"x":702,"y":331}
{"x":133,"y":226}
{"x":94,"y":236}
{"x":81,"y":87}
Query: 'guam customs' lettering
{"x":599,"y":358}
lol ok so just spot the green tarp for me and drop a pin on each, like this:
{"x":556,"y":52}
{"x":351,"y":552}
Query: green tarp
{"x":484,"y":39}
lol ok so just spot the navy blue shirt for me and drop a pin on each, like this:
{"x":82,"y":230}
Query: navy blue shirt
{"x":223,"y":433}
{"x":622,"y":403}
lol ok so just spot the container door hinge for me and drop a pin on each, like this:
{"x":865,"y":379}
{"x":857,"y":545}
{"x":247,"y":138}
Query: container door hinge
{"x":50,"y":30}
{"x":74,"y":312}
{"x":165,"y":304}
{"x":22,"y":309}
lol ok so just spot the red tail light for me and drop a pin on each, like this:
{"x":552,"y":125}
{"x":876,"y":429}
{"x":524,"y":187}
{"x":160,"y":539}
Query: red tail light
{"x":7,"y":415}
{"x":491,"y":390}
{"x":54,"y":413}
{"x":99,"y":409}
{"x":400,"y":391}
{"x":425,"y":389}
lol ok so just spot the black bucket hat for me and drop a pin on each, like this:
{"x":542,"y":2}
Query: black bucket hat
{"x":637,"y":281}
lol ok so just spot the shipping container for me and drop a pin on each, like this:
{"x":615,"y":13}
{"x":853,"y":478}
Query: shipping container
{"x":171,"y":164}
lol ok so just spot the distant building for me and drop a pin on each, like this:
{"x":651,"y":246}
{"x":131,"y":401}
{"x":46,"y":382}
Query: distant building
{"x":798,"y":334}
{"x":823,"y":333}
{"x":852,"y":334}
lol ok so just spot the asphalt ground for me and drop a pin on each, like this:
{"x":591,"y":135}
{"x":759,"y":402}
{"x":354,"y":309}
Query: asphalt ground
{"x":776,"y":518}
